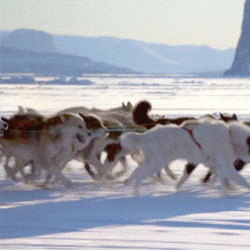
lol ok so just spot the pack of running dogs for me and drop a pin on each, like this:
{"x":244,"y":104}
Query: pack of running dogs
{"x":32,"y":144}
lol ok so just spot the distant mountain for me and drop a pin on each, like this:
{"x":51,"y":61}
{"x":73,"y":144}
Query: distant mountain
{"x":147,"y":57}
{"x":139,"y":56}
{"x":31,"y":51}
{"x":3,"y":33}
{"x":14,"y":60}
{"x":27,"y":39}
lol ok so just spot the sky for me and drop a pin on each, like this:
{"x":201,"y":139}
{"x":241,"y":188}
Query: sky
{"x":215,"y":23}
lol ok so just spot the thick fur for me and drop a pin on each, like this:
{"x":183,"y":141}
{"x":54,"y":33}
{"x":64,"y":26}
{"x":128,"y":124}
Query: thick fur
{"x":141,"y":116}
{"x":164,"y":144}
{"x":238,"y":164}
{"x":24,"y":124}
{"x":159,"y":146}
{"x":91,"y":154}
{"x":60,"y":138}
{"x":220,"y":143}
{"x":117,"y":121}
{"x":240,"y":136}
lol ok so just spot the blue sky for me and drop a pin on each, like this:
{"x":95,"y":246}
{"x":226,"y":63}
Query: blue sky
{"x":216,"y":23}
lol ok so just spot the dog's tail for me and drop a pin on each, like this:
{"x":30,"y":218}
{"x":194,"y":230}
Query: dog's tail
{"x":140,"y":115}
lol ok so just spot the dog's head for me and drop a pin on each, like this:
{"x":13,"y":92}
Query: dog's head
{"x":69,"y":130}
{"x":95,"y":125}
{"x":228,"y":118}
{"x":240,"y":137}
{"x":22,"y":125}
{"x":126,"y":144}
{"x":127,"y":108}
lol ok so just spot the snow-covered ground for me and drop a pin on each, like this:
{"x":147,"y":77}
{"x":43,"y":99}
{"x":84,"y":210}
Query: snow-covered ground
{"x":93,"y":215}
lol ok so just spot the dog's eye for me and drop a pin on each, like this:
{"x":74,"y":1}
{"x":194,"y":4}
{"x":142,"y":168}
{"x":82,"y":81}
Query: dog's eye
{"x":89,"y":133}
{"x":80,"y":126}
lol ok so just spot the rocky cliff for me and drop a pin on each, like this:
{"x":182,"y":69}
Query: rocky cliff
{"x":241,"y":63}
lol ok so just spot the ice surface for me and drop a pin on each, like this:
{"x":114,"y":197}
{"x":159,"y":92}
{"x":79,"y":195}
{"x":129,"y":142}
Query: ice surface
{"x":93,"y":215}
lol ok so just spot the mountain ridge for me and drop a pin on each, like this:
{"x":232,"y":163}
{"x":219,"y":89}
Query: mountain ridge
{"x":15,"y":60}
{"x":147,"y":57}
{"x":144,"y":57}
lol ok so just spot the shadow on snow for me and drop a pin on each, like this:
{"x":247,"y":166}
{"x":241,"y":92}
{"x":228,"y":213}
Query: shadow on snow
{"x":49,"y":216}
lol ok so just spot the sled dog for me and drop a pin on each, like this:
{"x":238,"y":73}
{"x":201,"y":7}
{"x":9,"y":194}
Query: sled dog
{"x":207,"y":143}
{"x":222,"y":145}
{"x":91,"y":154}
{"x":48,"y":144}
{"x":117,"y":121}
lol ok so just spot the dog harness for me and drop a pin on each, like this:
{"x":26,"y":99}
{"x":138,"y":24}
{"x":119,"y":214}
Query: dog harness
{"x":191,"y":134}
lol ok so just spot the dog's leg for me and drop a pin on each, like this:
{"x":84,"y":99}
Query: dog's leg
{"x":124,"y":170}
{"x":56,"y":171}
{"x":238,"y":164}
{"x":92,"y":174}
{"x":138,"y":157}
{"x":170,"y":173}
{"x":147,"y":169}
{"x":34,"y":173}
{"x":100,"y":168}
{"x":12,"y":171}
{"x":230,"y":173}
{"x":189,"y":168}
{"x":207,"y":177}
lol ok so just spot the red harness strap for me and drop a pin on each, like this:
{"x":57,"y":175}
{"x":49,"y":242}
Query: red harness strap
{"x":191,"y":134}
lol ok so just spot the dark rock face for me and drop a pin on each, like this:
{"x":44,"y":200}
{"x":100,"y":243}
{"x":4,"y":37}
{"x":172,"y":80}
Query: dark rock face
{"x":241,"y":63}
{"x":26,"y":39}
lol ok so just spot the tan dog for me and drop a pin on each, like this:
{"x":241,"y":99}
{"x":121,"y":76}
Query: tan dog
{"x":117,"y":120}
{"x":47,"y":144}
{"x":91,"y":154}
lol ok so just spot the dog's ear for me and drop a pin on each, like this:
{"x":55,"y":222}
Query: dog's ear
{"x":84,"y":117}
{"x":32,"y":111}
{"x":21,"y":110}
{"x":222,"y":116}
{"x":234,"y":117}
{"x":129,"y":105}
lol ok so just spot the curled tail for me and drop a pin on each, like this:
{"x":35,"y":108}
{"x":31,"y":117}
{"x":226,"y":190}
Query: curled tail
{"x":140,"y":115}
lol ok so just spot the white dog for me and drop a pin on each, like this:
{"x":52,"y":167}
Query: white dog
{"x":219,"y":143}
{"x":48,"y":144}
{"x":196,"y":142}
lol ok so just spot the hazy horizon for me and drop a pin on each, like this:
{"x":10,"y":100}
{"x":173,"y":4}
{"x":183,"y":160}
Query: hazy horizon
{"x":216,"y":24}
